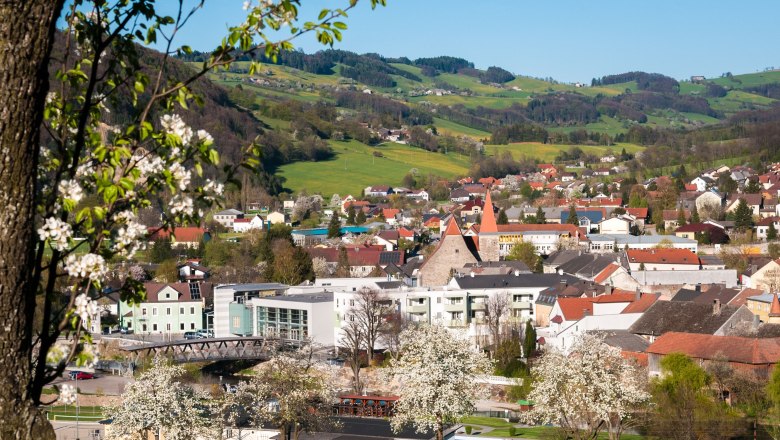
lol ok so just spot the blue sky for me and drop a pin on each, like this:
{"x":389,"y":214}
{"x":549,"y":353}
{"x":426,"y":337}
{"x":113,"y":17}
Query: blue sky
{"x":569,"y":40}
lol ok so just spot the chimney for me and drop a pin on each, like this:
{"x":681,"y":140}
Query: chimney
{"x":638,"y":294}
{"x":585,"y":312}
{"x":471,"y":274}
{"x":756,"y":322}
{"x":716,"y":307}
{"x":608,"y":289}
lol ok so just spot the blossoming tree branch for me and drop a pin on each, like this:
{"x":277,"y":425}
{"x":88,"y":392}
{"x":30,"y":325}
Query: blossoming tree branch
{"x":72,"y":183}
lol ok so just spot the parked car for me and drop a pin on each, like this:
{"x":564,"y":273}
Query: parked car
{"x":81,"y":375}
{"x":229,"y":388}
{"x":125,"y":331}
{"x":191,"y":335}
{"x":203,"y":333}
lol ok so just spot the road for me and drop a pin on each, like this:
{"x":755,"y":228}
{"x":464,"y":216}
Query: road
{"x":103,"y":383}
{"x":86,"y":431}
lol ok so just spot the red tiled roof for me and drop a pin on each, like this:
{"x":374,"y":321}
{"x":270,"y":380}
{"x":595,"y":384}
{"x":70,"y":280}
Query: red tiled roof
{"x":775,"y":309}
{"x":452,"y":228}
{"x":665,"y":256}
{"x":613,"y":298}
{"x":691,"y":187}
{"x":752,"y":351}
{"x":574,"y":309}
{"x":741,"y":298}
{"x":606,"y":273}
{"x":181,"y":234}
{"x":390,"y":212}
{"x":637,"y":212}
{"x":153,"y":289}
{"x":488,"y":223}
{"x":644,"y":303}
{"x":406,"y":233}
{"x":696,"y":227}
{"x":360,"y":256}
{"x":671,"y":214}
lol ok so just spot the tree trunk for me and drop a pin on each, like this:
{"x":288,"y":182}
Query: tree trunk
{"x":26,"y":35}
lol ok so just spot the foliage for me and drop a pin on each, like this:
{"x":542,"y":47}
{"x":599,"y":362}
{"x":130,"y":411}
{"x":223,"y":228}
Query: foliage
{"x":743,"y":216}
{"x":334,"y":226}
{"x":371,"y":311}
{"x":771,"y":233}
{"x":590,"y":388}
{"x":167,"y":271}
{"x":158,"y":404}
{"x":529,"y":340}
{"x":437,"y":369}
{"x":161,"y":250}
{"x":524,"y":251}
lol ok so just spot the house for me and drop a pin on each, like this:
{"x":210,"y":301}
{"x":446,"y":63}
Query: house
{"x":609,"y":242}
{"x":378,"y":191}
{"x":709,"y":204}
{"x":608,"y":159}
{"x":683,"y":316}
{"x":766,"y":278}
{"x":227,"y":217}
{"x":181,"y":237}
{"x":754,"y":201}
{"x":762,"y":227}
{"x":586,"y":266}
{"x":758,"y":355}
{"x":363,"y":260}
{"x":662,"y":259}
{"x":765,"y":306}
{"x":193,"y":271}
{"x":171,"y":308}
{"x":615,"y":226}
{"x":475,"y":189}
{"x":703,"y":183}
{"x":276,"y":218}
{"x":639,"y":214}
{"x":703,"y":233}
{"x":418,"y":194}
{"x":459,"y":195}
{"x":241,"y":225}
{"x":670,"y":218}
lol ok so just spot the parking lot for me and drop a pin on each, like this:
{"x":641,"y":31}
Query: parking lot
{"x":103,"y":383}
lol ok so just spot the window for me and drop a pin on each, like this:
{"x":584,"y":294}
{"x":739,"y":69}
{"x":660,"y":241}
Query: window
{"x":144,"y":327}
{"x":181,"y":310}
{"x":352,"y":303}
{"x":168,"y":311}
{"x":192,"y":326}
{"x":143,"y":311}
{"x":154,"y":327}
{"x":195,"y":290}
{"x":154,"y":311}
{"x":192,"y":310}
{"x":236,"y":321}
{"x":168,"y":326}
{"x":181,"y":326}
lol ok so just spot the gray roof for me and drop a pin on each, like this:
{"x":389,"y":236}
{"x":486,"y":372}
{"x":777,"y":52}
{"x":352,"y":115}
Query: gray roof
{"x":513,"y":264}
{"x":685,"y":295}
{"x":230,"y":211}
{"x":682,"y":277}
{"x":588,"y":265}
{"x":682,"y":316}
{"x":303,"y":298}
{"x":624,"y":340}
{"x":512,"y":281}
{"x":251,"y":287}
{"x":641,"y":239}
{"x":560,"y":257}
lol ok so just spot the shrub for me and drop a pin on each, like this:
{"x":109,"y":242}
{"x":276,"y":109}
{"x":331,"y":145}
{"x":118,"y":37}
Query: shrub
{"x":512,"y":431}
{"x":468,"y":429}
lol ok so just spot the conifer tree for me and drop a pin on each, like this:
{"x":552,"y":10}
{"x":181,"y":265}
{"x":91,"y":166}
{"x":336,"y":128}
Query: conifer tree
{"x":502,"y":218}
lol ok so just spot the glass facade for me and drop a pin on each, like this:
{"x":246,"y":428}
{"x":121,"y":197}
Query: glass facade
{"x":282,"y":323}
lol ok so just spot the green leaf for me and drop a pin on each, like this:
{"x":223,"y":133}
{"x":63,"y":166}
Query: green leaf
{"x":323,"y":14}
{"x":340,"y":25}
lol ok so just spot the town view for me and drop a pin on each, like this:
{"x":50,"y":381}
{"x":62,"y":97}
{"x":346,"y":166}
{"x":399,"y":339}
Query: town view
{"x":389,"y":219}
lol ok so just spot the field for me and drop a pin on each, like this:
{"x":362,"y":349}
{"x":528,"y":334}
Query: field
{"x":355,"y":167}
{"x":71,"y":413}
{"x":547,"y":152}
{"x":444,"y":126}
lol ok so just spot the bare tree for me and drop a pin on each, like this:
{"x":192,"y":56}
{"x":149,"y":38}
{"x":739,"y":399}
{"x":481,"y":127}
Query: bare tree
{"x":352,"y":341}
{"x":496,"y":308}
{"x":391,"y":333}
{"x":371,"y":311}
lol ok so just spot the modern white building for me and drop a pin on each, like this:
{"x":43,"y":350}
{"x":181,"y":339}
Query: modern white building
{"x":241,"y":225}
{"x":600,"y":243}
{"x":227,"y":295}
{"x":227,"y":217}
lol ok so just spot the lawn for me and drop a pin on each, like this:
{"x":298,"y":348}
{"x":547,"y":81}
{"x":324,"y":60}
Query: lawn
{"x":444,"y":126}
{"x":355,"y":167}
{"x":71,"y":413}
{"x":543,"y":432}
{"x":547,"y":152}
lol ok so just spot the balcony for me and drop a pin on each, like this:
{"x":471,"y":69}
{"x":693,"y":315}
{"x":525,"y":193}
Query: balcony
{"x":417,"y":308}
{"x":455,"y":323}
{"x":461,"y":307}
{"x":521,"y":305}
{"x":477,"y":306}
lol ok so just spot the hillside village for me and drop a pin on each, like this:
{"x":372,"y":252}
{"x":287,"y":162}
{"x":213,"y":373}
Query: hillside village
{"x":653,"y":265}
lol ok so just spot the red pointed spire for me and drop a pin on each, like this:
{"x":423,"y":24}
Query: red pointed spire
{"x":488,"y":216}
{"x":452,"y":228}
{"x":775,"y":309}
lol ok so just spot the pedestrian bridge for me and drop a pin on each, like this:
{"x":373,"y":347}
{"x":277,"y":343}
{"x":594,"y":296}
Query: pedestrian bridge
{"x":216,"y":349}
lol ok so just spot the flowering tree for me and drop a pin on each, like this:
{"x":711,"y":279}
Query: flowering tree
{"x":91,"y":179}
{"x":437,"y":369}
{"x":591,"y":389}
{"x":156,"y":404}
{"x":291,"y":394}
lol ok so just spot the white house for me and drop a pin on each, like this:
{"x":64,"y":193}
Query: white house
{"x":277,"y":217}
{"x":702,"y":183}
{"x":244,"y":224}
{"x":600,"y":243}
{"x":227,"y":217}
{"x":418,"y":194}
{"x":615,"y":225}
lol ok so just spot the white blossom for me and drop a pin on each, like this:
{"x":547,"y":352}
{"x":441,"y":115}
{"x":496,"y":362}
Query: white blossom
{"x":85,"y":308}
{"x":149,"y":164}
{"x":213,"y":187}
{"x":181,"y":175}
{"x":85,"y":169}
{"x":247,"y":5}
{"x":205,"y":137}
{"x":57,"y":232}
{"x":67,"y":394}
{"x":92,"y":266}
{"x":182,"y":204}
{"x":157,"y":402}
{"x":173,"y":124}
{"x":127,"y":240}
{"x":71,"y":190}
{"x":437,"y":371}
{"x":593,"y":386}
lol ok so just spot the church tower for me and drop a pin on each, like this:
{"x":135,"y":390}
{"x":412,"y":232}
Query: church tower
{"x":488,"y":232}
